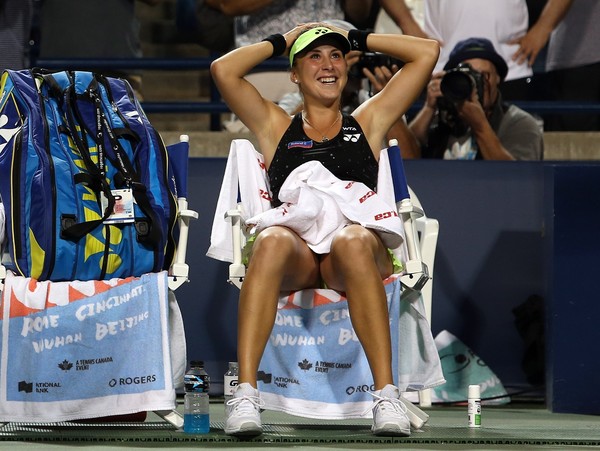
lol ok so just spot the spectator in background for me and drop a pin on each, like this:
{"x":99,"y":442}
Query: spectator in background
{"x":255,"y":19}
{"x":15,"y":30}
{"x":549,"y":13}
{"x":202,"y":22}
{"x":93,"y":29}
{"x":478,"y":125}
{"x":400,"y":12}
{"x":397,"y":15}
{"x":500,"y":21}
{"x":533,"y":47}
{"x":573,"y":62}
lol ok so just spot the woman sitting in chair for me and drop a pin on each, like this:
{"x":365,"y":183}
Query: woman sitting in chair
{"x":348,"y":146}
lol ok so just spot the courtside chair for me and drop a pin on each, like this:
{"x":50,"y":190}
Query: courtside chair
{"x":421,"y":240}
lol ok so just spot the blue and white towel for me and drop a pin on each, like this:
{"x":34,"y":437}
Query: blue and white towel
{"x":74,"y":350}
{"x":315,"y":367}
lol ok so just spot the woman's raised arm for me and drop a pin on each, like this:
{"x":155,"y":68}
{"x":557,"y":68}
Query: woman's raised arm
{"x":381,"y":111}
{"x":262,"y":117}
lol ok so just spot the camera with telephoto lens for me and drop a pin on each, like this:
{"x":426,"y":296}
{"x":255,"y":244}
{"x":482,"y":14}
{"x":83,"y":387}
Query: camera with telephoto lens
{"x":457,"y":85}
{"x":371,"y":60}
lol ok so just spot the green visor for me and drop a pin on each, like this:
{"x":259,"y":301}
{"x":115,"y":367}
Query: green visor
{"x":318,"y":36}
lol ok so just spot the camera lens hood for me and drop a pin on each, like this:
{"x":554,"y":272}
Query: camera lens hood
{"x":457,"y":85}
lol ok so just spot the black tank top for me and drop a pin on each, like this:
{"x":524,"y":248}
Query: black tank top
{"x":348,"y":155}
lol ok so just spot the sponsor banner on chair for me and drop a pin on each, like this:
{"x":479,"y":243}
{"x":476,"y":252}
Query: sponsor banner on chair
{"x":74,"y":350}
{"x":314,"y":365}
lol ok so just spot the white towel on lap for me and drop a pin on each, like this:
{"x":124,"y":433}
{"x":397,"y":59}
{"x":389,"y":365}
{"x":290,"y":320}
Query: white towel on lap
{"x":317,"y":205}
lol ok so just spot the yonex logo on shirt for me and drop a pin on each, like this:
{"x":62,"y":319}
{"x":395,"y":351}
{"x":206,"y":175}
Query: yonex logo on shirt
{"x":352,"y":138}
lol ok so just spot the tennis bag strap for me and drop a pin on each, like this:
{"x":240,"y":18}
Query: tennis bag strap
{"x":108,"y":148}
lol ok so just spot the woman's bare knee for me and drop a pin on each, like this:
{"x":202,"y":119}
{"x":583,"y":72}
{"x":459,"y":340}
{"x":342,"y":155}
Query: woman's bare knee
{"x":274,"y":242}
{"x":283,"y":255}
{"x":354,"y":249}
{"x":354,"y":242}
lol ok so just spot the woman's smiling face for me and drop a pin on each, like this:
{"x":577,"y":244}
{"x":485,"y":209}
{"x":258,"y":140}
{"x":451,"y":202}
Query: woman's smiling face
{"x":323,"y":70}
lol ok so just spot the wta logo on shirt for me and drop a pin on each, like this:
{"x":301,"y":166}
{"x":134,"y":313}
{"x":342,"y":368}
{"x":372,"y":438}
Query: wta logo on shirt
{"x":300,"y":144}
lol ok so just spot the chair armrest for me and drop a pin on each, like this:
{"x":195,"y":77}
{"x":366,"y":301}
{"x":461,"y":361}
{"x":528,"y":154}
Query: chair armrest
{"x":408,"y":212}
{"x":237,"y":270}
{"x":416,"y":270}
{"x":179,"y":271}
{"x":406,"y":206}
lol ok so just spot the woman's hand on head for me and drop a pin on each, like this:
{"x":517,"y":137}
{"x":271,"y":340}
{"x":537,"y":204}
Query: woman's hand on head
{"x":292,"y":35}
{"x":332,"y":27}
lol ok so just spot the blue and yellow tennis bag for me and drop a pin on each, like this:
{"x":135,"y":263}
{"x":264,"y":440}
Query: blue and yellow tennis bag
{"x":84,"y":178}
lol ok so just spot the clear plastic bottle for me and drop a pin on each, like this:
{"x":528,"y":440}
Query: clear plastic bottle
{"x":196,"y":403}
{"x":230,"y":380}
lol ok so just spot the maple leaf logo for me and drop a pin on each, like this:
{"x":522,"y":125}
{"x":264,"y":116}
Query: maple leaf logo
{"x":305,"y":365}
{"x":65,"y":365}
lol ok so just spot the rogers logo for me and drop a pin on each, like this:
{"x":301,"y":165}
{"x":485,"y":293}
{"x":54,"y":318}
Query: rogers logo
{"x":360,"y":389}
{"x":136,"y":380}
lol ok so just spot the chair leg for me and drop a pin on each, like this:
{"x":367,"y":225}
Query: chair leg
{"x":415,"y":415}
{"x":425,"y":398}
{"x":171,"y":416}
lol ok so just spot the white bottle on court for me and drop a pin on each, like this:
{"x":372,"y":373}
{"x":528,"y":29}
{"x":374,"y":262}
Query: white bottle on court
{"x":230,"y":380}
{"x":474,"y":406}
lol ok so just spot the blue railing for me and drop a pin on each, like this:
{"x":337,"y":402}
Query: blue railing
{"x":215,"y":106}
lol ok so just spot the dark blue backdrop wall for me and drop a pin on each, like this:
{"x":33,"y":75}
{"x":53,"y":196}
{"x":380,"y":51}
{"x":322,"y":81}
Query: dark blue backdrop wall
{"x":489,"y":259}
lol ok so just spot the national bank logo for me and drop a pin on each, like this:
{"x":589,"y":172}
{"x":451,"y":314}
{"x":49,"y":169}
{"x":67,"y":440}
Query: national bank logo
{"x":26,"y":387}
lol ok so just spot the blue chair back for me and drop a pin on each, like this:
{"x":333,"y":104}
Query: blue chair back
{"x":398,"y":175}
{"x":178,"y":157}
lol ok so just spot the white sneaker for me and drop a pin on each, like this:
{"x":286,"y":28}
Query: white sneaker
{"x":389,"y":413}
{"x":243,"y":412}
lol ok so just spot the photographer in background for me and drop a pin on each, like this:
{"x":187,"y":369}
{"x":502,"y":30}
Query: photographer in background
{"x":464,"y":117}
